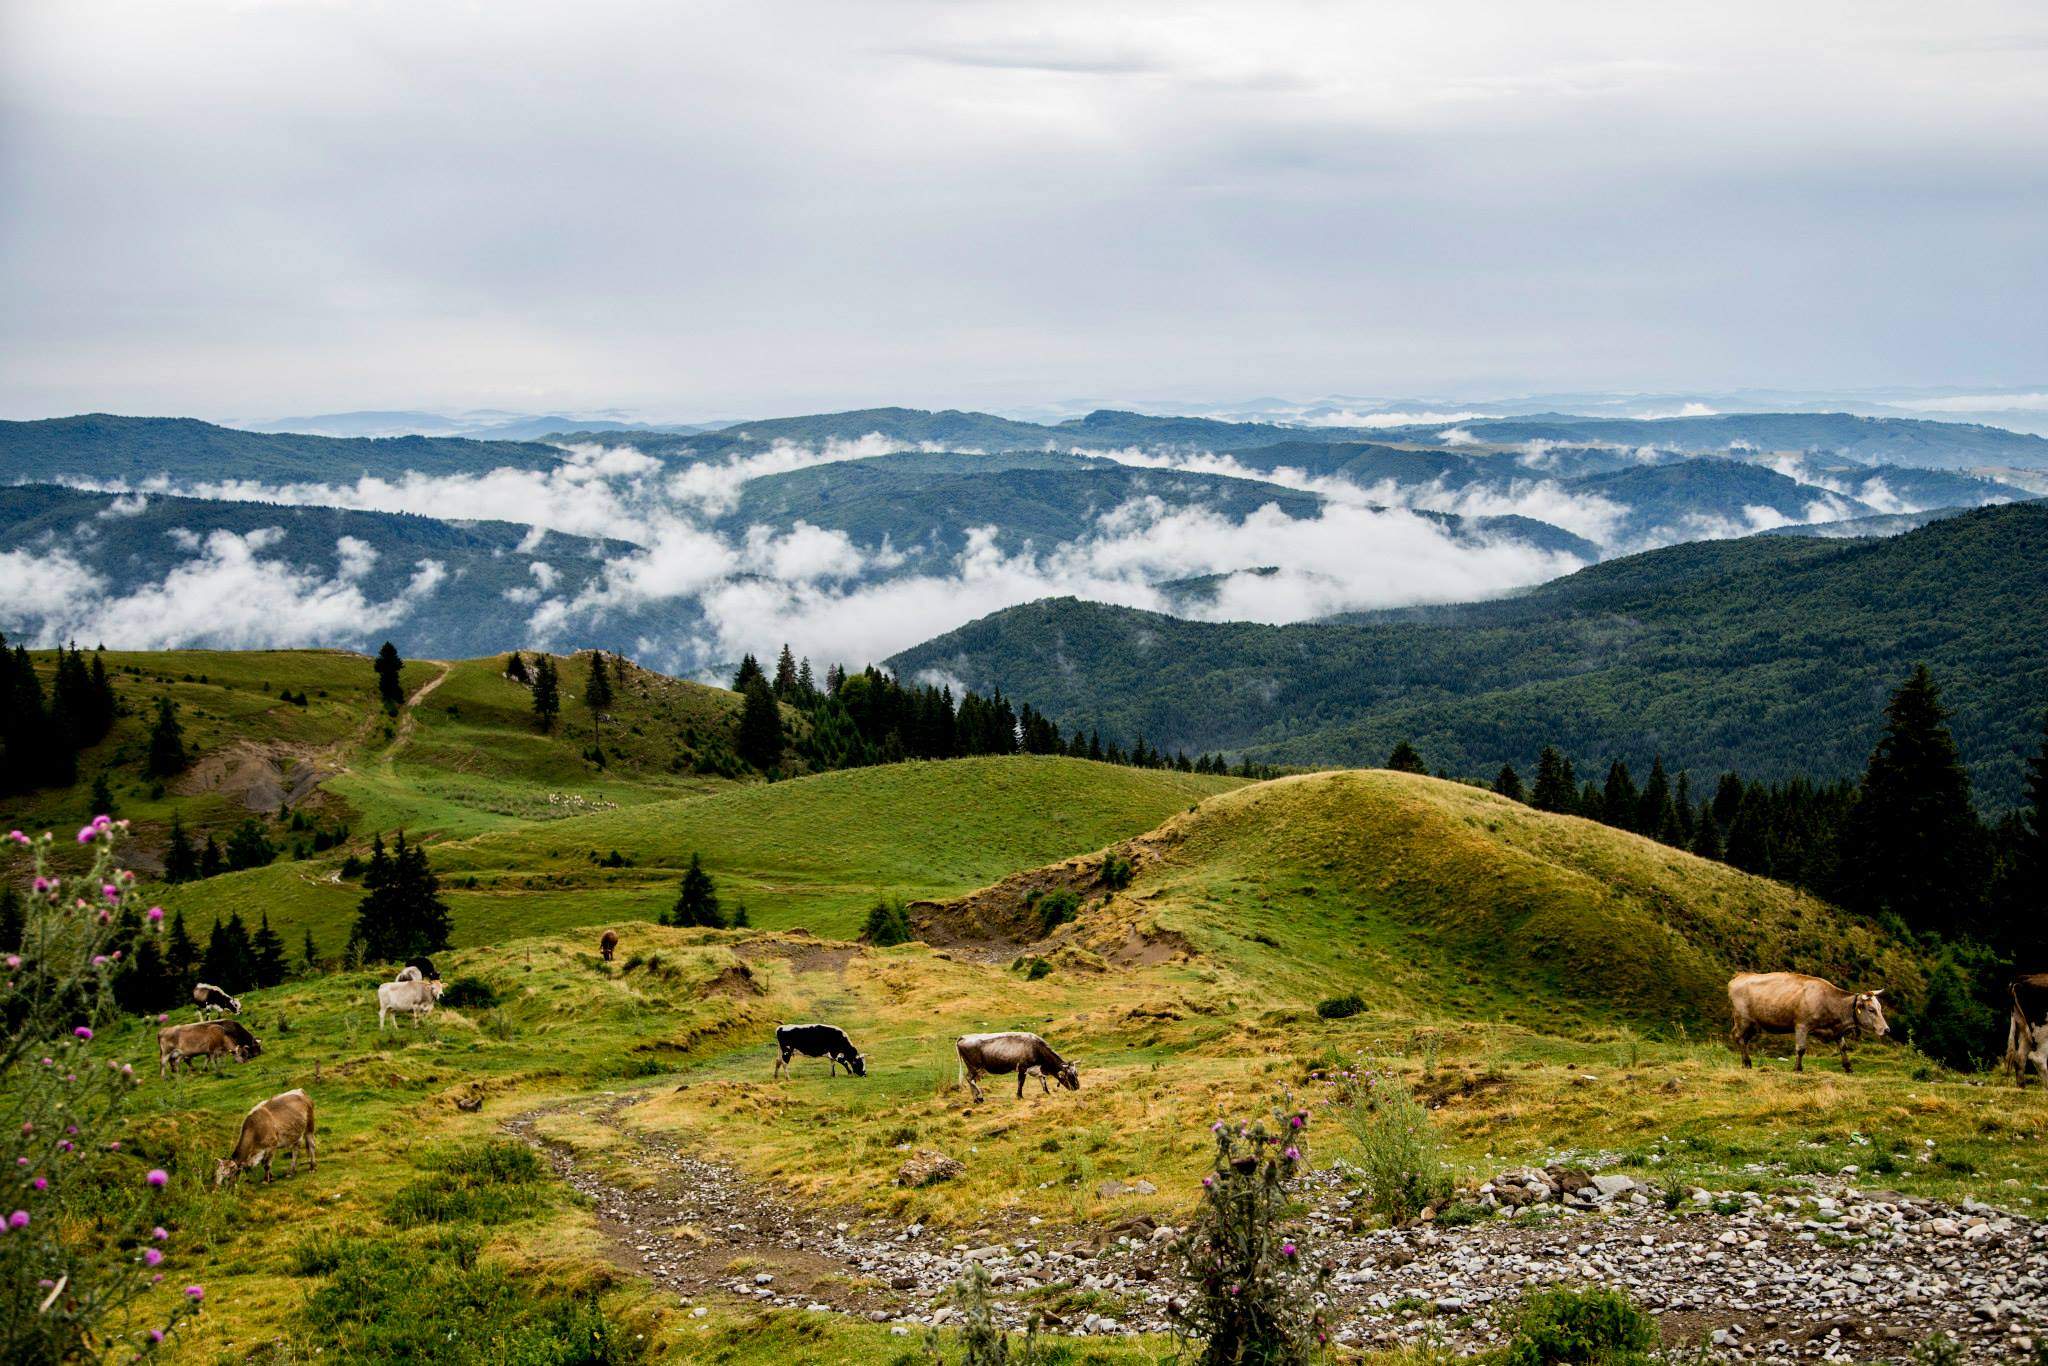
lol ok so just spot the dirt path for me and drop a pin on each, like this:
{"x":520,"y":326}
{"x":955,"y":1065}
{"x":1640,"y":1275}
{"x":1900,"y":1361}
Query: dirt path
{"x":1828,"y":1272}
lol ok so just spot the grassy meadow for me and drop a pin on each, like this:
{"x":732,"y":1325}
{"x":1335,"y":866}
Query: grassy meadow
{"x":1548,"y":986}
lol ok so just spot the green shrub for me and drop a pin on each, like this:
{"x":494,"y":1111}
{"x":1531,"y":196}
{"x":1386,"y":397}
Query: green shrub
{"x":1952,"y":1026}
{"x":469,"y":993}
{"x":1400,"y":1156}
{"x":1252,"y":1293}
{"x":1056,"y":908}
{"x":485,"y":1183}
{"x":1039,"y":968}
{"x":1341,"y":1007}
{"x":1116,"y":872}
{"x":887,"y":924}
{"x":1559,"y":1324}
{"x":437,"y":1299}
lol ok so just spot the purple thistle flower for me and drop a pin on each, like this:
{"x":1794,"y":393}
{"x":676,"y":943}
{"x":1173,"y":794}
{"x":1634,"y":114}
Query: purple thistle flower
{"x":18,"y":1219}
{"x":110,"y":891}
{"x":1294,"y":1154}
{"x":151,"y":1257}
{"x":82,"y":1032}
{"x":85,"y":836}
{"x":41,"y":1183}
{"x":157,"y":1176}
{"x":197,"y":1292}
{"x":156,"y":1335}
{"x":102,"y":822}
{"x":1287,"y":1249}
{"x":156,"y":913}
{"x":160,"y":1233}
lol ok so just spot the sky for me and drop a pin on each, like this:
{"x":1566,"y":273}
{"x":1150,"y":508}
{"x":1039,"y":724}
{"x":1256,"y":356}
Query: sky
{"x":247,"y":208}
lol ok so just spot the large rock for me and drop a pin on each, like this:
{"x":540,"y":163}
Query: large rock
{"x":927,"y":1168}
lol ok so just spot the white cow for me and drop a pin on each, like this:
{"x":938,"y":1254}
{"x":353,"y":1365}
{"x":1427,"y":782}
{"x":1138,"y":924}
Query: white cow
{"x":414,"y":998}
{"x":408,"y":973}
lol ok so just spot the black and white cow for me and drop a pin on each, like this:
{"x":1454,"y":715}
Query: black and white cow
{"x":212,"y":1001}
{"x":819,"y":1041}
{"x":424,"y":968}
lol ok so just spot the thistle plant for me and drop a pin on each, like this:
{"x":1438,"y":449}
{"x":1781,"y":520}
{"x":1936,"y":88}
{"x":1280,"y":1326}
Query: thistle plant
{"x":1254,"y":1296}
{"x":82,"y":1225}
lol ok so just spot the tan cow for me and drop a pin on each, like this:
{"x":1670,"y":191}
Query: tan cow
{"x":608,"y":944}
{"x":2026,"y":1028}
{"x":1804,"y":1007}
{"x":1025,"y":1054}
{"x":177,"y":1044}
{"x":280,"y":1123}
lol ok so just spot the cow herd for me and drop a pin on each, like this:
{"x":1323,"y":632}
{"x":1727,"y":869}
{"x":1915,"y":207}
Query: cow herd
{"x":1805,"y":1007}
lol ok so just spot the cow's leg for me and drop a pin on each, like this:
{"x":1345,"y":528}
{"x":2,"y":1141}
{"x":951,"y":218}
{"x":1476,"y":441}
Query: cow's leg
{"x":311,"y":1163}
{"x":1022,"y":1073}
{"x":1738,"y":1037}
{"x":974,"y":1082}
{"x":781,"y":1062}
{"x":1799,"y":1048}
{"x":1844,"y":1046}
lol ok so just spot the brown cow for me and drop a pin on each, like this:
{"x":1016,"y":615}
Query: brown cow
{"x":1001,"y":1054}
{"x":2026,"y":1028}
{"x":1804,"y":1007}
{"x":608,"y":944}
{"x":280,"y":1123}
{"x":216,"y":1039}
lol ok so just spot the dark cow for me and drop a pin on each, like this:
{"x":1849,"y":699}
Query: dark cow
{"x":819,"y":1041}
{"x":212,"y":1001}
{"x":1024,"y":1054}
{"x":608,"y":944}
{"x":176,"y":1044}
{"x":425,"y":966}
{"x":2026,"y":1028}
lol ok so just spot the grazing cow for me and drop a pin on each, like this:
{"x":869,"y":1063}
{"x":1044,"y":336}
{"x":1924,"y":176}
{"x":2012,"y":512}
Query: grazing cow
{"x":414,"y":998}
{"x":212,"y":1001}
{"x":1001,"y":1054}
{"x":819,"y":1041}
{"x":177,"y":1044}
{"x":608,"y":944}
{"x":1804,"y":1007}
{"x":423,"y":967}
{"x":2026,"y":1030}
{"x":280,"y":1123}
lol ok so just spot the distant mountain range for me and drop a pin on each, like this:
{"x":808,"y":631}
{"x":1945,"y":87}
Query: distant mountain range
{"x":1771,"y":654}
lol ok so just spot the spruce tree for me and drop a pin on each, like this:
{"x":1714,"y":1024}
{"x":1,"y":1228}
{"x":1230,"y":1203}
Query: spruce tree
{"x":697,"y":899}
{"x":266,"y":946}
{"x":210,"y":862}
{"x":1507,"y":783}
{"x":760,"y":737}
{"x":597,"y":695}
{"x":749,"y":670}
{"x":181,"y":954}
{"x":1556,"y":789}
{"x":401,"y":914}
{"x":166,"y":741}
{"x":249,"y":846}
{"x":388,"y":687}
{"x":181,"y":861}
{"x":515,"y":667}
{"x":309,"y":957}
{"x":1912,"y":844}
{"x":785,"y":676}
{"x":547,"y":695}
{"x":102,"y":799}
{"x":1654,"y":811}
{"x":1404,"y":759}
{"x":1618,"y":801}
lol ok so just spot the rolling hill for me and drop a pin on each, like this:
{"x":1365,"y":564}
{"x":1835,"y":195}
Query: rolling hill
{"x":1769,"y":654}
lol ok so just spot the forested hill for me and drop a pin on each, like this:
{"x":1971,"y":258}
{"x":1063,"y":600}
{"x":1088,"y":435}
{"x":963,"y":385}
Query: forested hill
{"x":103,"y":446}
{"x":1771,"y":654}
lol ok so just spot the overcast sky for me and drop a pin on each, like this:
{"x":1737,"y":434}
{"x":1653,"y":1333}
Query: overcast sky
{"x":241,"y":208}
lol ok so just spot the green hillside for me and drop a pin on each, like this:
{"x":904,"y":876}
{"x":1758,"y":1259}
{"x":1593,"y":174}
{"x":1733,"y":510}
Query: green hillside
{"x":1773,"y":655}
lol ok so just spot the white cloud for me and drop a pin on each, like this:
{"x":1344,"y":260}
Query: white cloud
{"x":128,"y":505}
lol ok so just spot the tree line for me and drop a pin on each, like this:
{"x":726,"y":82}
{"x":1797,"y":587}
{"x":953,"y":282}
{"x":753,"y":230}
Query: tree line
{"x":1903,"y":845}
{"x":41,"y":733}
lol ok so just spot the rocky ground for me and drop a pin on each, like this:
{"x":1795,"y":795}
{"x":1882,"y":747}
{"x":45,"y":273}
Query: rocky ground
{"x":1827,"y":1271}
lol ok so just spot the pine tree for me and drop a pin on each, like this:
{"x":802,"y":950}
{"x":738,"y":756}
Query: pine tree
{"x":760,"y":737}
{"x":228,"y":962}
{"x":166,"y":741}
{"x":102,"y":800}
{"x":309,"y":957}
{"x":1749,"y":838}
{"x":515,"y":667}
{"x":210,"y":862}
{"x":249,"y":846}
{"x":13,"y":919}
{"x":597,"y":695}
{"x":749,"y":670}
{"x":267,"y":951}
{"x":1727,"y":800}
{"x":388,"y":687}
{"x":401,"y":914}
{"x":785,"y":676}
{"x":1508,"y":783}
{"x":1654,"y":812}
{"x":806,"y":684}
{"x":1912,"y":844}
{"x":1618,"y":801}
{"x":181,"y":954}
{"x":547,"y":694}
{"x":1556,"y":787}
{"x":181,"y":862}
{"x":697,"y":899}
{"x":1404,"y":759}
{"x":2019,"y":924}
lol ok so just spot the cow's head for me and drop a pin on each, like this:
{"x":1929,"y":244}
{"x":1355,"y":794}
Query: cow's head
{"x":436,"y":987}
{"x":856,"y":1063}
{"x":1068,"y":1077}
{"x":247,"y":1049}
{"x":225,"y":1170}
{"x":1870,"y":1013}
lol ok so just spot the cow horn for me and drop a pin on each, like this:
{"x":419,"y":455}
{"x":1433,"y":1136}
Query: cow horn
{"x":1875,"y":994}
